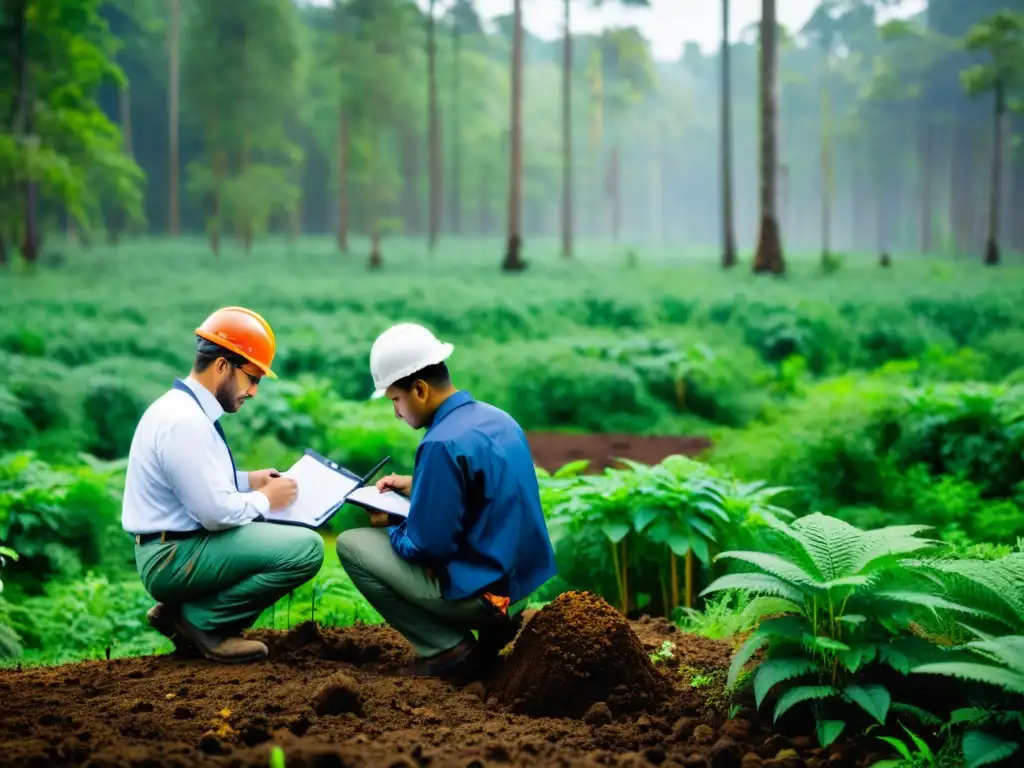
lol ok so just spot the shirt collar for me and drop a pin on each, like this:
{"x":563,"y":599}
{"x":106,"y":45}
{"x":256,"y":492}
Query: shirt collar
{"x":460,"y":398}
{"x":207,"y":401}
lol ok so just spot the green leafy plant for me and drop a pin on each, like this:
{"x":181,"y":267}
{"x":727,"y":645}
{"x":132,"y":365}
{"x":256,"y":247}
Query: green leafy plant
{"x":997,"y":662}
{"x":837,"y":601}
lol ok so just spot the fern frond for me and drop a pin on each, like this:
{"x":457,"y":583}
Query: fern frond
{"x":982,"y":673}
{"x":778,"y":670}
{"x":773,"y":565}
{"x":995,"y":586}
{"x":759,"y":583}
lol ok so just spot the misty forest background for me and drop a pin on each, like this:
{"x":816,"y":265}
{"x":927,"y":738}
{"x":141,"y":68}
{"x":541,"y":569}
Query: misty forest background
{"x":245,"y":117}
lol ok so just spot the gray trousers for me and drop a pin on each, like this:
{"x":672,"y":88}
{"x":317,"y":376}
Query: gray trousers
{"x":405,"y":596}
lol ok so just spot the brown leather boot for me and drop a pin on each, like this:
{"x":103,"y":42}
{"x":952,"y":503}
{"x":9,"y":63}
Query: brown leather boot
{"x":161,"y":618}
{"x":228,"y":650}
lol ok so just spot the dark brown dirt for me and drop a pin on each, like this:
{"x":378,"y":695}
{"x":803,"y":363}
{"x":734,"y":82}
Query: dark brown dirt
{"x":172,"y":711}
{"x":552,"y":450}
{"x":574,"y":653}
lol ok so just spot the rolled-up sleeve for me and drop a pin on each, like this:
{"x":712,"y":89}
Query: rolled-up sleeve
{"x":436,"y":509}
{"x":192,"y":456}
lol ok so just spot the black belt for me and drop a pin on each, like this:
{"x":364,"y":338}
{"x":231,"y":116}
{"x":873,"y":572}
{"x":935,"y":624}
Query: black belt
{"x":145,"y":538}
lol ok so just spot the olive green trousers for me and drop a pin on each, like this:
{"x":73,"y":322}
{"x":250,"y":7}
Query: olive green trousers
{"x":222,"y":581}
{"x":406,"y":596}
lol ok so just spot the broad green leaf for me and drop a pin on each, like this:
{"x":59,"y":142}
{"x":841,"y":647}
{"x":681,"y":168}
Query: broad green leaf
{"x":966,"y":715}
{"x":679,"y":543}
{"x":853,"y":618}
{"x":829,"y":730}
{"x":776,"y":671}
{"x":825,"y":643}
{"x":615,"y":532}
{"x":981,"y":748}
{"x":800,"y":694}
{"x":760,"y":607}
{"x":899,"y":746}
{"x":873,"y":699}
{"x":857,"y":656}
{"x":572,"y":469}
{"x":743,"y":655}
{"x":644,"y":516}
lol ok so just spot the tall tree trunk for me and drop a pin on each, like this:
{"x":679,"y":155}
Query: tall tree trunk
{"x":343,"y":144}
{"x":614,"y":191}
{"x":434,"y":130}
{"x":729,"y":258}
{"x":826,"y":163}
{"x":22,"y":122}
{"x":247,"y":227}
{"x":455,"y":184}
{"x":999,"y":126}
{"x":173,"y":119}
{"x":513,"y":256}
{"x":567,"y":158}
{"x":925,"y":154}
{"x":881,"y":202}
{"x":768,"y":257}
{"x":119,"y":216}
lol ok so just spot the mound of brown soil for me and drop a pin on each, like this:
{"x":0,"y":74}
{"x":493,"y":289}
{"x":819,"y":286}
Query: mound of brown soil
{"x":575,"y":652}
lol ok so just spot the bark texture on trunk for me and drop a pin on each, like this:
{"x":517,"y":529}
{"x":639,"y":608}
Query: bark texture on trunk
{"x":434,"y":130}
{"x":995,"y":193}
{"x":513,"y":261}
{"x":173,"y":120}
{"x":567,"y":158}
{"x":925,"y":170}
{"x":455,"y":185}
{"x":768,"y":257}
{"x":343,"y":142}
{"x":729,"y":258}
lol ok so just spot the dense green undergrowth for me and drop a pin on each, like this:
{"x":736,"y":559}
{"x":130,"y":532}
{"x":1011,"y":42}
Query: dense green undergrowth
{"x":878,"y":402}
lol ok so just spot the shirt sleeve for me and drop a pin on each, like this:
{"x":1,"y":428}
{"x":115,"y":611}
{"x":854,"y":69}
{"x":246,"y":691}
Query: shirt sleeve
{"x":243,"y":481}
{"x":198,"y":470}
{"x":436,"y":509}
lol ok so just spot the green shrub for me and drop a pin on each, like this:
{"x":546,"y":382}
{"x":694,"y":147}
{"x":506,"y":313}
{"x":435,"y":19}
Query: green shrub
{"x":15,"y":427}
{"x":60,"y":520}
{"x":841,"y":604}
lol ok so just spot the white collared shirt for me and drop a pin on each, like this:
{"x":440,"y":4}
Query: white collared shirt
{"x":179,"y":470}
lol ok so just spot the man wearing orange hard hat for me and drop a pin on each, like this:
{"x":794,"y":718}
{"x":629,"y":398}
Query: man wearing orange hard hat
{"x":202,"y":547}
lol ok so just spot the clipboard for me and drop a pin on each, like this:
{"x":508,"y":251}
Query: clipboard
{"x":325,"y":487}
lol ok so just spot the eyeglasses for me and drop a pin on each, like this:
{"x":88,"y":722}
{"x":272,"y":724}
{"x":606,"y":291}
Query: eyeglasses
{"x":254,"y":380}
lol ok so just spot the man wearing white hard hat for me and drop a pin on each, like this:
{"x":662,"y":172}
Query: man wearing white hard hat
{"x":475,"y":544}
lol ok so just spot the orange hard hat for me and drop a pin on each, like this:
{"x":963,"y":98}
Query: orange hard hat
{"x":244,"y":332}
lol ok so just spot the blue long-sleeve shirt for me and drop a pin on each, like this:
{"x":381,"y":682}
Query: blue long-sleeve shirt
{"x":475,"y":515}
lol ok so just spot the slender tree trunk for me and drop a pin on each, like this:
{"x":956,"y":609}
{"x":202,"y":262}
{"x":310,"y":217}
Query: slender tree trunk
{"x":455,"y":184}
{"x":826,"y":163}
{"x":881,"y":202}
{"x":173,"y":120}
{"x":999,"y":126}
{"x":120,"y":219}
{"x":769,"y":257}
{"x":615,"y":189}
{"x":247,"y":227}
{"x":567,"y":157}
{"x":434,"y":130}
{"x":729,"y":258}
{"x":22,"y":122}
{"x":925,"y":169}
{"x":343,"y":144}
{"x":513,"y":256}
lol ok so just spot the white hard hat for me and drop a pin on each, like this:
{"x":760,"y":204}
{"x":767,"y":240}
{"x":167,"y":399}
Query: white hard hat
{"x":401,"y":350}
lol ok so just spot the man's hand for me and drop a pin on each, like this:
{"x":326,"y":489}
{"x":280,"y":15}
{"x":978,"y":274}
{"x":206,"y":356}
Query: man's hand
{"x":280,"y":491}
{"x":261,"y":477}
{"x":400,"y":483}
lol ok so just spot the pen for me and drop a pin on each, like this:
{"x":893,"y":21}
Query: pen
{"x":374,"y":471}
